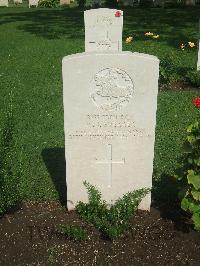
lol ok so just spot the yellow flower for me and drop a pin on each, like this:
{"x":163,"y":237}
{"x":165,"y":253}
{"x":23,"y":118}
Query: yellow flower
{"x":129,"y":39}
{"x":191,"y":44}
{"x":182,"y":46}
{"x":156,"y":36}
{"x":148,"y":33}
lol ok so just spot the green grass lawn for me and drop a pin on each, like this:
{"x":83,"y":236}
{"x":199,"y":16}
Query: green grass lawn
{"x":32,"y":45}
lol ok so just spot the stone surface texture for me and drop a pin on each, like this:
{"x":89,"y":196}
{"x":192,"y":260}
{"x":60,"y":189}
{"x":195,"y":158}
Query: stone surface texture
{"x":3,"y":2}
{"x":64,"y":2}
{"x":103,"y":29}
{"x":110,"y":102}
{"x":33,"y":3}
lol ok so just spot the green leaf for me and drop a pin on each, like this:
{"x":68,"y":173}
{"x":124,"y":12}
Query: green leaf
{"x":193,"y":179}
{"x":185,"y":203}
{"x":194,"y":127}
{"x":190,"y":160}
{"x":196,"y":220}
{"x":195,"y":194}
{"x":190,"y":204}
{"x":189,"y":129}
{"x":197,"y":161}
{"x":191,"y":139}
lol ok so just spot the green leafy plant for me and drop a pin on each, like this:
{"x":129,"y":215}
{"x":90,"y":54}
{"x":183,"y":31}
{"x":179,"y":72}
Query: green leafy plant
{"x":194,"y":78}
{"x":9,"y":178}
{"x":113,"y":221}
{"x":189,"y":174}
{"x":72,"y":232}
{"x":48,"y":3}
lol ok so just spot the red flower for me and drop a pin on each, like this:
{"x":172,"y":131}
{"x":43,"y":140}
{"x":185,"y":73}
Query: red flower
{"x":118,"y":14}
{"x":196,"y":102}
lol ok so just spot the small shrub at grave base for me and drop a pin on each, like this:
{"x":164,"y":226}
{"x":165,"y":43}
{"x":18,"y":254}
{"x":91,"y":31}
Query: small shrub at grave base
{"x":189,"y":175}
{"x":48,"y":3}
{"x":113,"y":221}
{"x":194,"y":78}
{"x":9,"y":179}
{"x":72,"y":232}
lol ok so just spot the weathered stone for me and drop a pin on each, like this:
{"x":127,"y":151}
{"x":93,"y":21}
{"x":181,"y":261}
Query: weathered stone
{"x":110,"y":102}
{"x":103,"y":29}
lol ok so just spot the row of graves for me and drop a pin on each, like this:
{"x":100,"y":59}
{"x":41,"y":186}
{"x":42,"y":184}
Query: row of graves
{"x":110,"y":102}
{"x":31,"y":2}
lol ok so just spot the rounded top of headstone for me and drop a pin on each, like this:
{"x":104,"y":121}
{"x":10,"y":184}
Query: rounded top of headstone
{"x":103,"y":17}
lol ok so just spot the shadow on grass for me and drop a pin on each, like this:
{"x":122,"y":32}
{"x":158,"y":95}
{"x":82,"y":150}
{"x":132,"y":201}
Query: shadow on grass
{"x":54,"y":159}
{"x":165,"y":199}
{"x":173,"y":25}
{"x":48,"y":23}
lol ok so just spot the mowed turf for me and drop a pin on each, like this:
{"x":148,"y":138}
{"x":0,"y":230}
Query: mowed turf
{"x":32,"y":45}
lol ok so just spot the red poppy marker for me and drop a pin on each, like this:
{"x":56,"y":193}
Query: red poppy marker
{"x":118,"y":14}
{"x":196,"y":102}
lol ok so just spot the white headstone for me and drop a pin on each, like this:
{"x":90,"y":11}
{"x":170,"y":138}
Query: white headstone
{"x":33,"y":3}
{"x":103,"y":29}
{"x":17,"y":1}
{"x":3,"y":2}
{"x":110,"y":102}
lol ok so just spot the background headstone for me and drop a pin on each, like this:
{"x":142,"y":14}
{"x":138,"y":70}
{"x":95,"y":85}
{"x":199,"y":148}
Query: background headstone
{"x":33,"y":3}
{"x":110,"y":102}
{"x":17,"y":1}
{"x":103,"y":29}
{"x":64,"y":2}
{"x":3,"y":2}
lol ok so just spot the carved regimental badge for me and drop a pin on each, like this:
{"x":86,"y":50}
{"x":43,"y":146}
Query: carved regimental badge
{"x":112,"y":89}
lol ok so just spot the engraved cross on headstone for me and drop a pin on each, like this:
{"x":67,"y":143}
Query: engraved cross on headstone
{"x":110,"y":163}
